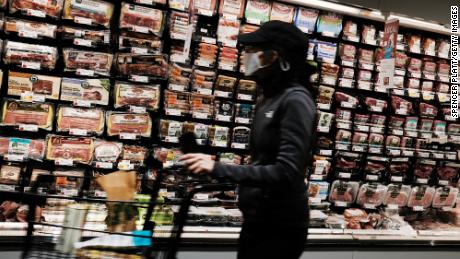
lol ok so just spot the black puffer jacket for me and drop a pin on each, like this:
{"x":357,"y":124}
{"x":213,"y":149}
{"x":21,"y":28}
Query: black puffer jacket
{"x":272,"y":189}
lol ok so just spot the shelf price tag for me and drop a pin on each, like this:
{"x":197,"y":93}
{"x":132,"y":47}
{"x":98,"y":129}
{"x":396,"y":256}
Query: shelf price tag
{"x":85,"y":72}
{"x":128,"y":135}
{"x":28,"y":127}
{"x":418,"y":208}
{"x":239,"y":145}
{"x":341,"y":204}
{"x":171,"y":139}
{"x":14,"y":157}
{"x":220,"y":117}
{"x":137,"y":109}
{"x":204,"y":91}
{"x":345,"y":175}
{"x":140,"y":51}
{"x":83,"y":42}
{"x":64,"y":161}
{"x":36,"y":13}
{"x":83,"y":20}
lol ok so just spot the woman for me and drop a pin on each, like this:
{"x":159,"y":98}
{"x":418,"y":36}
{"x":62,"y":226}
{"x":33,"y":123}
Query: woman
{"x":272,"y":190}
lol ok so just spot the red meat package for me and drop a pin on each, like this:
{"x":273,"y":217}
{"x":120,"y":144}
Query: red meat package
{"x":343,"y":136}
{"x":401,"y":106}
{"x":378,"y":119}
{"x":366,"y":56}
{"x":77,"y":149}
{"x":443,"y":69}
{"x":346,"y":100}
{"x":374,"y":167}
{"x":375,"y":105}
{"x":396,"y":122}
{"x":393,"y":141}
{"x":345,"y":192}
{"x":361,"y":118}
{"x":421,"y":197}
{"x":360,"y":138}
{"x":424,"y":169}
{"x":445,"y":197}
{"x":376,"y":139}
{"x":371,"y":195}
{"x":415,"y":67}
{"x":347,"y":52}
{"x":414,"y":42}
{"x":397,"y":195}
{"x":428,"y":110}
{"x":401,"y":60}
{"x":447,"y":172}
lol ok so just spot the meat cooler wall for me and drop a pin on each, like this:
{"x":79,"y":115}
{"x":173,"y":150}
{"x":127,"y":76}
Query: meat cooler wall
{"x":90,"y":87}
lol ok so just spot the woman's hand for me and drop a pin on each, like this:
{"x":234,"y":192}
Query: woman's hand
{"x":198,"y":163}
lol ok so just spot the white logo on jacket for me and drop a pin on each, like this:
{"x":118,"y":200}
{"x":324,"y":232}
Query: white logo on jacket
{"x":269,"y":114}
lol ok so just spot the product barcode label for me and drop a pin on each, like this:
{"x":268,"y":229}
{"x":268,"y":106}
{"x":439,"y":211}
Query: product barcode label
{"x":78,"y":132}
{"x":239,"y":145}
{"x":128,"y":135}
{"x":28,"y":127}
{"x":140,"y":79}
{"x":140,"y":51}
{"x":199,"y":115}
{"x":328,"y":34}
{"x":172,"y":139}
{"x":422,"y":180}
{"x":223,"y":117}
{"x":372,"y":177}
{"x":396,"y":179}
{"x":253,"y":21}
{"x":393,"y":206}
{"x":220,"y":143}
{"x":222,"y":94}
{"x":242,"y":120}
{"x":85,"y":72}
{"x":14,"y":157}
{"x":176,"y":87}
{"x":31,"y":65}
{"x":204,"y":91}
{"x":137,"y":109}
{"x":83,"y":42}
{"x":82,"y":103}
{"x":36,"y":13}
{"x":173,"y":112}
{"x":341,"y":204}
{"x":245,"y":97}
{"x":316,"y":177}
{"x":64,"y":161}
{"x":125,"y":165}
{"x":345,"y":175}
{"x":83,"y":20}
{"x":443,"y":182}
{"x":348,"y":63}
{"x":369,"y":206}
{"x":28,"y":34}
{"x":140,"y":29}
{"x":208,"y":40}
{"x":418,"y":208}
{"x":345,"y":82}
{"x":104,"y":165}
{"x":314,"y":200}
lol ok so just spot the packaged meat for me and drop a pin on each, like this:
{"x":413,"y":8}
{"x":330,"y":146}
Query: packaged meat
{"x":343,"y":136}
{"x":257,"y":11}
{"x":429,"y":69}
{"x":227,"y":32}
{"x":343,"y":192}
{"x":324,"y":142}
{"x":369,"y":35}
{"x":127,"y":94}
{"x":240,"y":137}
{"x":329,"y":24}
{"x":401,"y":60}
{"x":68,"y":182}
{"x":424,"y":168}
{"x":321,"y":166}
{"x":206,"y":55}
{"x":448,"y":171}
{"x":80,"y":121}
{"x":350,"y":31}
{"x":176,"y":103}
{"x":282,"y":12}
{"x":225,"y":86}
{"x":427,"y":86}
{"x":181,"y":5}
{"x":223,"y":110}
{"x":170,"y":131}
{"x":346,"y":100}
{"x":134,"y":154}
{"x":347,"y":72}
{"x":128,"y":125}
{"x":219,"y":136}
{"x":443,"y":69}
{"x":94,"y":91}
{"x":88,"y":12}
{"x":325,"y":95}
{"x":421,"y":197}
{"x":366,"y":58}
{"x":415,"y":67}
{"x":244,"y":113}
{"x":141,"y":19}
{"x":318,"y":190}
{"x":360,"y":138}
{"x":428,"y":110}
{"x":414,"y":43}
{"x":329,"y":73}
{"x":87,"y":63}
{"x":201,"y":106}
{"x":106,"y":152}
{"x":426,"y":125}
{"x":429,"y":46}
{"x":342,"y":115}
{"x":443,"y":48}
{"x":399,"y":167}
{"x":179,"y":77}
{"x":20,"y":83}
{"x":232,"y":8}
{"x":9,"y":175}
{"x":28,"y":29}
{"x":140,"y":43}
{"x":326,"y":51}
{"x":3,"y":4}
{"x":453,"y":129}
{"x":324,"y":121}
{"x":200,"y":130}
{"x":374,"y":168}
{"x":347,"y":52}
{"x":397,"y":195}
{"x":305,"y":19}
{"x":85,"y":37}
{"x":375,"y":105}
{"x":22,"y":148}
{"x":246,"y":90}
{"x":142,"y":68}
{"x":30,"y":56}
{"x":203,"y":81}
{"x":205,"y":7}
{"x":407,"y":142}
{"x":439,"y":127}
{"x":445,"y":197}
{"x":400,"y":105}
{"x":393,"y":141}
{"x":42,"y":9}
{"x":411,"y":123}
{"x":76,"y":149}
{"x":18,"y":113}
{"x":376,"y":139}
{"x":228,"y":58}
{"x":371,"y":195}
{"x":178,"y":25}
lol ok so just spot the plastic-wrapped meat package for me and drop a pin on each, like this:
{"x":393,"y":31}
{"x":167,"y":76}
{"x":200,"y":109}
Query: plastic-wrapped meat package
{"x":181,"y":5}
{"x":9,"y":175}
{"x":29,"y":55}
{"x":88,"y":12}
{"x":329,"y":24}
{"x":326,"y":51}
{"x":429,"y":46}
{"x":18,"y":113}
{"x":144,"y":42}
{"x":246,"y":90}
{"x":413,"y":83}
{"x":378,"y":119}
{"x":347,"y":52}
{"x":429,"y":69}
{"x":134,"y":154}
{"x":376,"y":139}
{"x":244,"y":113}
{"x":421,"y":144}
{"x":141,"y":19}
{"x":87,"y":63}
{"x":305,"y":19}
{"x":443,"y":48}
{"x":361,"y":118}
{"x":369,"y":35}
{"x":225,"y":86}
{"x":343,"y":116}
{"x":324,"y":142}
{"x":397,"y":195}
{"x":407,"y":142}
{"x":201,"y":131}
{"x":205,"y":7}
{"x":396,"y":122}
{"x":325,"y":95}
{"x":25,"y":148}
{"x":106,"y":151}
{"x":19,"y":83}
{"x":206,"y":55}
{"x":411,"y":123}
{"x":428,"y":110}
{"x":346,"y":100}
{"x":28,"y":29}
{"x":401,"y":60}
{"x":401,"y":106}
{"x":219,"y":136}
{"x":127,"y":94}
{"x":329,"y":73}
{"x":347,"y":72}
{"x":80,"y":121}
{"x":232,"y":8}
{"x":426,"y":125}
{"x":443,"y":69}
{"x":228,"y":58}
{"x":421,"y":196}
{"x":96,"y":91}
{"x":282,"y":12}
{"x":135,"y":124}
{"x":399,"y":167}
{"x":178,"y":25}
{"x":68,"y":182}
{"x":343,"y":136}
{"x":223,"y":110}
{"x":445,"y":197}
{"x":318,"y":190}
{"x":321,"y":165}
{"x":448,"y":171}
{"x":78,"y":149}
{"x":240,"y":137}
{"x":371,"y":195}
{"x":360,"y":138}
{"x":424,"y":168}
{"x":324,"y":121}
{"x":415,"y":42}
{"x":453,"y":129}
{"x":203,"y":81}
{"x":427,"y":86}
{"x":42,"y":9}
{"x":350,"y":31}
{"x":201,"y":106}
{"x":142,"y":68}
{"x":347,"y":164}
{"x":257,"y":11}
{"x":374,"y":168}
{"x":85,"y":37}
{"x":170,"y":131}
{"x":343,"y":191}
{"x":415,"y":66}
{"x":230,"y":158}
{"x":179,"y":77}
{"x":366,"y":56}
{"x":375,"y":105}
{"x":393,"y":141}
{"x":3,"y":4}
{"x":439,"y":127}
{"x":176,"y":103}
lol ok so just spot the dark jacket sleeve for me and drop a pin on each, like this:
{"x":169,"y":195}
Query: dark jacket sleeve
{"x":296,"y":121}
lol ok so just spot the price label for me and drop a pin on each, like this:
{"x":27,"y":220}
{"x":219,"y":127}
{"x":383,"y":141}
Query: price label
{"x":202,"y":63}
{"x":346,"y":105}
{"x":364,"y":85}
{"x":353,"y":38}
{"x":429,"y":76}
{"x":140,"y":51}
{"x":341,"y":204}
{"x":83,"y":20}
{"x":230,"y":17}
{"x":396,"y":179}
{"x":325,"y":152}
{"x":27,"y":96}
{"x":451,"y":156}
{"x":345,"y":175}
{"x":369,"y":206}
{"x":199,"y":115}
{"x":172,"y":139}
{"x":239,"y":145}
{"x":104,"y":165}
{"x":343,"y":125}
{"x":367,"y":66}
{"x":314,"y":200}
{"x":400,"y":72}
{"x":399,"y":92}
{"x":137,"y":109}
{"x":372,"y":177}
{"x":245,"y":97}
{"x":415,"y":74}
{"x":173,"y":112}
{"x":28,"y":34}
{"x":421,"y":180}
{"x":125,"y":165}
{"x":175,"y":87}
{"x":223,"y":117}
{"x":208,"y":40}
{"x":140,"y":29}
{"x":408,"y":153}
{"x":228,"y":67}
{"x":375,"y":150}
{"x":341,"y":146}
{"x":446,"y":208}
{"x":242,"y":120}
{"x":125,"y":135}
{"x":424,"y":154}
{"x":345,"y":82}
{"x":398,"y":132}
{"x":147,"y":2}
{"x":364,"y":128}
{"x":140,"y":79}
{"x":85,"y":72}
{"x":348,"y":63}
{"x":205,"y":12}
{"x":316,"y":177}
{"x":31,"y":65}
{"x":328,"y":34}
{"x":14,"y":157}
{"x":376,"y":129}
{"x":36,"y":13}
{"x":38,"y":98}
{"x":401,"y":111}
{"x":28,"y":127}
{"x":201,"y":196}
{"x":443,"y":182}
{"x":418,"y":208}
{"x":64,"y":161}
{"x":400,"y":46}
{"x":82,"y":103}
{"x":329,"y":80}
{"x":222,"y":94}
{"x":371,"y":42}
{"x":78,"y":132}
{"x":204,"y":91}
{"x":83,"y":42}
{"x":444,"y":79}
{"x":253,"y":21}
{"x":411,"y":133}
{"x":324,"y":106}
{"x":358,"y":148}
{"x":395,"y":152}
{"x":426,"y":135}
{"x":393,"y":206}
{"x":220,"y":143}
{"x":324,"y":129}
{"x":414,"y":93}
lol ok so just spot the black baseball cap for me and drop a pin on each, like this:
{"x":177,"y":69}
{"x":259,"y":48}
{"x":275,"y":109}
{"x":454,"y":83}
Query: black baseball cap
{"x":282,"y":36}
